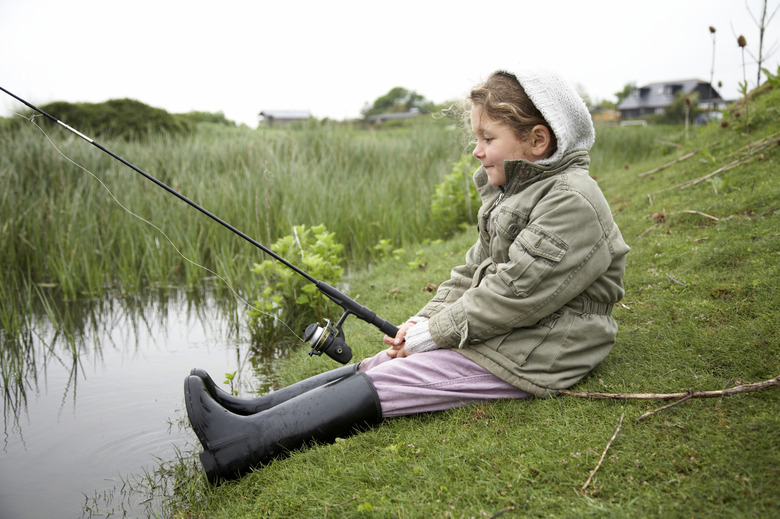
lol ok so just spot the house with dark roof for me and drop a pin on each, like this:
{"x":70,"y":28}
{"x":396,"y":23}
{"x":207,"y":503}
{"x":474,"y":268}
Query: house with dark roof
{"x":655,"y":97}
{"x":272,"y":117}
{"x":390,"y":116}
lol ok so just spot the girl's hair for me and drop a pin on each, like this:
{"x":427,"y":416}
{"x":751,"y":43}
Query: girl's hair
{"x":503,"y":99}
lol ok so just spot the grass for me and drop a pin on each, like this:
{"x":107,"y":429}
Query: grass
{"x":700,"y":312}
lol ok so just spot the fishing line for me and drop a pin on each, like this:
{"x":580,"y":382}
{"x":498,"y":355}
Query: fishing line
{"x":329,"y":339}
{"x":157,"y":228}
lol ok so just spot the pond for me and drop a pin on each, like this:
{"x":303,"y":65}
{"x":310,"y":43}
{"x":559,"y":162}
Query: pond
{"x":101,"y":411}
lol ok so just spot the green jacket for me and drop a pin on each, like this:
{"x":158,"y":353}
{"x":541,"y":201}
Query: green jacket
{"x":532,"y":303}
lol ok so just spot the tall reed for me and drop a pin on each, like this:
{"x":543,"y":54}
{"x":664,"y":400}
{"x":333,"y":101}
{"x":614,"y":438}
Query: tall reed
{"x":61,"y":226}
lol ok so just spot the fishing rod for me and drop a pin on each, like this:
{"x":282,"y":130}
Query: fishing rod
{"x":328,"y":339}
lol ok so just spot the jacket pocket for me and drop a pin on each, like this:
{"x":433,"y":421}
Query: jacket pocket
{"x":507,"y":225}
{"x":531,"y":258}
{"x":523,"y":344}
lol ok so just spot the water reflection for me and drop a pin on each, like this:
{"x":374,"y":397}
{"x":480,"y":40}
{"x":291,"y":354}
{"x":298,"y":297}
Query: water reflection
{"x":92,"y":393}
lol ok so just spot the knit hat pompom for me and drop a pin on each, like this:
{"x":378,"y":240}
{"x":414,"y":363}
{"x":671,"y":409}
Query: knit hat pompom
{"x":562,"y":107}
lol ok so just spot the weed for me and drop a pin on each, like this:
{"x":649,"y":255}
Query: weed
{"x":288,"y":296}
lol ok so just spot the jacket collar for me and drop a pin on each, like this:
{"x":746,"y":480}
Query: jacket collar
{"x":521,"y":173}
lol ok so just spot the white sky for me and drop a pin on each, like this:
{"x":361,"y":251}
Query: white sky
{"x":333,"y":57}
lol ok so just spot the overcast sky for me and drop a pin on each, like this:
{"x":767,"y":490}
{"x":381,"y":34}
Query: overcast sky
{"x":333,"y":57}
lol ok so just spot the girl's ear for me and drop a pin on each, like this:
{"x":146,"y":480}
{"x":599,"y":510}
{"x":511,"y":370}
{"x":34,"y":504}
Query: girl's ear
{"x":540,"y":141}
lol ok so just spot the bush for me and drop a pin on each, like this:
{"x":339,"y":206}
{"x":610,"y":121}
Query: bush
{"x":286,"y":295}
{"x":208,"y":117}
{"x":124,"y":118}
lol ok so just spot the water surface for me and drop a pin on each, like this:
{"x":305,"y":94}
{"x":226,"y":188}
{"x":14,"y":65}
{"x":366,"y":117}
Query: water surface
{"x":105,"y":408}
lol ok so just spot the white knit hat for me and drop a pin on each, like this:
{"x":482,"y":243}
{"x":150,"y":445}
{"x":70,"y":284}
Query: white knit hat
{"x":562,"y":107}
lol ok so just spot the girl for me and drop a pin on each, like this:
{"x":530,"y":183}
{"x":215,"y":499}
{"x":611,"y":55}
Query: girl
{"x":528,"y":313}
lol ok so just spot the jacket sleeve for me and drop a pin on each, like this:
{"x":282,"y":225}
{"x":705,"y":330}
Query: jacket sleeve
{"x":560,"y":252}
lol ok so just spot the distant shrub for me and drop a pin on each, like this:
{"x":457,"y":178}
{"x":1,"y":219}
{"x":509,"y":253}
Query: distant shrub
{"x":123,"y":118}
{"x":208,"y":117}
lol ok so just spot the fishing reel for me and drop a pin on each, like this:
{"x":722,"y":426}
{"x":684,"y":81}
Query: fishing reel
{"x":329,"y":340}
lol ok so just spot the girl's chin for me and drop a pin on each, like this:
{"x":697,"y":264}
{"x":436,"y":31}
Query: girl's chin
{"x":494,"y":180}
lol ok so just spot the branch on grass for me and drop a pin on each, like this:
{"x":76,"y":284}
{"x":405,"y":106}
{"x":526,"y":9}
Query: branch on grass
{"x":339,"y":504}
{"x":766,"y":143}
{"x":668,"y":164}
{"x":603,"y":454}
{"x":502,"y":512}
{"x":749,"y":146}
{"x":714,"y":218}
{"x":671,"y":278}
{"x":647,"y":230}
{"x":667,"y":406}
{"x":742,"y":388}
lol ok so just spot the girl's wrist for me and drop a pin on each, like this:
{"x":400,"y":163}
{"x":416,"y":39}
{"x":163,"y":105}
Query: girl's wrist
{"x":418,"y":338}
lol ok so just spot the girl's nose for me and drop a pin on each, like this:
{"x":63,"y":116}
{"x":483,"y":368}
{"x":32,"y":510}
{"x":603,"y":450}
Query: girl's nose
{"x":477,"y":153}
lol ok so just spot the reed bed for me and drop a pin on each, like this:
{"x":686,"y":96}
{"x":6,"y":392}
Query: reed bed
{"x":61,"y":226}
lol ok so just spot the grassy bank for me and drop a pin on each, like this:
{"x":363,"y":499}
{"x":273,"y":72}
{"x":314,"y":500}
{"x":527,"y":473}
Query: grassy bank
{"x":701,"y":312}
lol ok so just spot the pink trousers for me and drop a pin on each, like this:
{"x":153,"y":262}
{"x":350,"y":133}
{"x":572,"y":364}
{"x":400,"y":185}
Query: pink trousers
{"x":432,"y":381}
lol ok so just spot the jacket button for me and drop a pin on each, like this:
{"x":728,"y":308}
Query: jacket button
{"x":513,"y":229}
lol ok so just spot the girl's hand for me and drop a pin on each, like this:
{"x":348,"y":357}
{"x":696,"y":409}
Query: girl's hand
{"x":397,"y":353}
{"x":396,"y":349}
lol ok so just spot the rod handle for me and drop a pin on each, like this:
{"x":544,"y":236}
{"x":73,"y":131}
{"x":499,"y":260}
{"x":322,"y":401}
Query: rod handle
{"x":358,"y":310}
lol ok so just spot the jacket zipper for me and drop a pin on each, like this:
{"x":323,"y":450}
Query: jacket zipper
{"x":489,"y":213}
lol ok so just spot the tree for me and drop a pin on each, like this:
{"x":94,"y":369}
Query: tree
{"x":627,"y":89}
{"x":398,"y":99}
{"x":685,"y":107}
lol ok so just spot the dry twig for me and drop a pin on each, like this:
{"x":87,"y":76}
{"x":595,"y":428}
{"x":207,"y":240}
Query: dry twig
{"x":502,"y":512}
{"x":604,"y":454}
{"x":668,"y":164}
{"x":766,"y":143}
{"x":339,"y":504}
{"x":671,"y":278}
{"x":647,"y":230}
{"x":714,"y":218}
{"x":667,"y":406}
{"x":742,"y":388}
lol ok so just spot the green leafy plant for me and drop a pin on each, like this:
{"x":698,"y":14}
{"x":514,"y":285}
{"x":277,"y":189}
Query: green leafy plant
{"x":420,"y":260}
{"x":229,"y":380}
{"x":383,"y":249}
{"x":772,"y":79}
{"x":286,"y":295}
{"x":456,"y":201}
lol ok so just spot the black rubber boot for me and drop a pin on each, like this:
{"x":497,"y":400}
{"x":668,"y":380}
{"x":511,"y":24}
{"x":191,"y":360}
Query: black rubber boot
{"x":247,"y":406}
{"x":234,"y":444}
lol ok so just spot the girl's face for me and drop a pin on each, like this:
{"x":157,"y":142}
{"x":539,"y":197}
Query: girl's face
{"x":496,"y":142}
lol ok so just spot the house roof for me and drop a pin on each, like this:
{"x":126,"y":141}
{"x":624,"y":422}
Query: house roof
{"x":394,"y":115}
{"x":286,"y":114}
{"x":659,"y":95}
